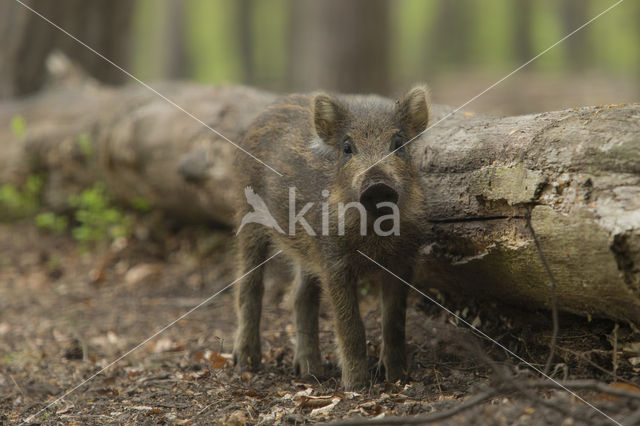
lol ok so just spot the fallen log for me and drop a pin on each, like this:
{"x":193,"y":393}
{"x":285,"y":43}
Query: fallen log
{"x":574,"y":173}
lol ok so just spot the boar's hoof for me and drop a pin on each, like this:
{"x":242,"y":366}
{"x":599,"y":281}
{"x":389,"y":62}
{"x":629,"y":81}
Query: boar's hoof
{"x":392,"y":369}
{"x":245,"y":360}
{"x":355,"y":381}
{"x":308,"y":366}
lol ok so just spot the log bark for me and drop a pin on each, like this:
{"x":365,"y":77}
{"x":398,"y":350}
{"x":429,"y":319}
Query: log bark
{"x":576,"y":173}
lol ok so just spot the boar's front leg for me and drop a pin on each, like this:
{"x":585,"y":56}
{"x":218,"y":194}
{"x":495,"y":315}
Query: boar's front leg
{"x":307,"y":360}
{"x":343,"y":292}
{"x":252,"y":251}
{"x":393,"y":296}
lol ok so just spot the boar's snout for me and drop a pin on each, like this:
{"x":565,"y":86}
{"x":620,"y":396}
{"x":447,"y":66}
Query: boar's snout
{"x":377,"y":190}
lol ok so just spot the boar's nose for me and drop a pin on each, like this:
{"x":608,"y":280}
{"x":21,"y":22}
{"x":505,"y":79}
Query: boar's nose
{"x":376,"y":192}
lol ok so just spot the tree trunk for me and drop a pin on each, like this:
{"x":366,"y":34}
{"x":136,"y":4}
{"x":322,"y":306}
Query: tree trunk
{"x":575,"y":172}
{"x":175,"y":59}
{"x":522,"y":44}
{"x":575,"y":13}
{"x":340,"y":45}
{"x":28,"y":40}
{"x":450,"y":42}
{"x":244,"y":28}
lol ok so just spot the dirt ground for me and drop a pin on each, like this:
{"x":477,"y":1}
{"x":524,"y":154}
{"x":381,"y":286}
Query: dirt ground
{"x":67,"y":312}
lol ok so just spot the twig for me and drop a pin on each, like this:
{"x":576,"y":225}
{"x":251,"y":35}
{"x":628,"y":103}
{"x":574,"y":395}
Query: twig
{"x":554,"y":298}
{"x":17,"y":386}
{"x":509,"y":385}
{"x":582,"y":356}
{"x":507,"y":381}
{"x":615,"y":352}
{"x":468,"y":403}
{"x":203,"y":410}
{"x":585,"y":384}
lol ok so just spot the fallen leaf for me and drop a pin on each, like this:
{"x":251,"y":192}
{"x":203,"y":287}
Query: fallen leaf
{"x":634,"y":361}
{"x":200,"y":375}
{"x":65,"y":409}
{"x":217,"y":361}
{"x":308,"y":401}
{"x":252,"y":393}
{"x":618,"y":386}
{"x":301,"y":394}
{"x":139,"y":273}
{"x":238,"y":417}
{"x":326,"y":409}
{"x":165,"y":344}
{"x":142,"y":408}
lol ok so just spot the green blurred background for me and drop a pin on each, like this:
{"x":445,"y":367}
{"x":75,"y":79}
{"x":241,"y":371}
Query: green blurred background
{"x":458,"y":47}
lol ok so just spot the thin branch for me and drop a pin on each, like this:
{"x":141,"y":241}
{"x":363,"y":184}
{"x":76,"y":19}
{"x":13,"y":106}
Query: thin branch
{"x":614,"y":361}
{"x":593,"y":385}
{"x":468,"y":403}
{"x":509,"y":385}
{"x":17,"y":386}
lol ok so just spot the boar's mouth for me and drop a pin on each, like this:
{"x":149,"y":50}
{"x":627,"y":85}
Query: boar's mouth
{"x":378,"y":191}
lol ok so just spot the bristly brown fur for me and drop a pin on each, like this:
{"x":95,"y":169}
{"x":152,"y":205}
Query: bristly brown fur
{"x":303,"y":136}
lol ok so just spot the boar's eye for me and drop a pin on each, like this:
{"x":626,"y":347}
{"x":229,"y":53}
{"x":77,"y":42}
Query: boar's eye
{"x":347,"y":146}
{"x":398,"y":142}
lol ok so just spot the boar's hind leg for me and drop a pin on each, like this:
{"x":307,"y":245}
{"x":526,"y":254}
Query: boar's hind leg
{"x":252,"y":250}
{"x":307,"y":359}
{"x":343,"y":292}
{"x":393,"y":295}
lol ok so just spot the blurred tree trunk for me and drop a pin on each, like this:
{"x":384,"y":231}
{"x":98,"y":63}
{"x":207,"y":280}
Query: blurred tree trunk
{"x":175,"y":59}
{"x":522,"y":45}
{"x":575,"y":13}
{"x":638,"y":51}
{"x":450,"y":41}
{"x":339,"y":45}
{"x":245,"y":36}
{"x":28,"y":39}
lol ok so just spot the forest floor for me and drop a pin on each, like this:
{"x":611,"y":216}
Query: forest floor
{"x":66,"y":313}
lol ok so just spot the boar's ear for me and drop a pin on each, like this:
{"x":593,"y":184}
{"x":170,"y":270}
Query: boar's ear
{"x":328,"y":116}
{"x":413,"y":111}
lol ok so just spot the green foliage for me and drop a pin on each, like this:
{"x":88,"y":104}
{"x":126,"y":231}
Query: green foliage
{"x":51,"y":222}
{"x":97,"y":218}
{"x":212,"y":52}
{"x":141,"y":204}
{"x":84,"y":143}
{"x":18,"y":126}
{"x":18,"y":203}
{"x":268,"y":41}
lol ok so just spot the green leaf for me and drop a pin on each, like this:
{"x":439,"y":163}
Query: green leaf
{"x":18,"y":126}
{"x":85,"y":145}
